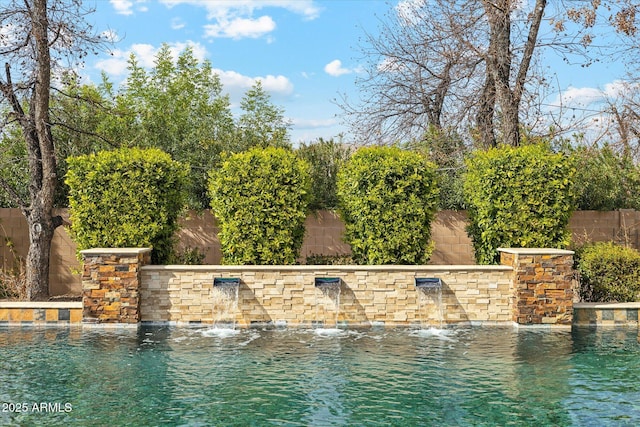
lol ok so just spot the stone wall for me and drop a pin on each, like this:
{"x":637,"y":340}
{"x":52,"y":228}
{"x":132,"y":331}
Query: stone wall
{"x":288,"y":295}
{"x":544,"y":285}
{"x":111,"y":284}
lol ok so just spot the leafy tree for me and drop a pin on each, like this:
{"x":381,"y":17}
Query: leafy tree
{"x":606,"y":180}
{"x":262,"y":124}
{"x":43,"y":35}
{"x":388,"y":197}
{"x":260,"y":199}
{"x":447,"y":150}
{"x":325,"y":158}
{"x":178,"y":107}
{"x":518,"y":197}
{"x":129,"y":197}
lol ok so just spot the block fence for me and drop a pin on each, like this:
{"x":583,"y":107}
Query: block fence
{"x":323,"y":236}
{"x":118,"y":287}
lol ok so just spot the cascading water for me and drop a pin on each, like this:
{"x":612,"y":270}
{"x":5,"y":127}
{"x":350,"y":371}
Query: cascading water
{"x":330,"y":289}
{"x":225,"y":303}
{"x":430,"y":302}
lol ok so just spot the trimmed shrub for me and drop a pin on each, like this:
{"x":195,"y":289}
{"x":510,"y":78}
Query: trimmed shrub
{"x":129,"y":197}
{"x":260,"y":199}
{"x":518,"y":197}
{"x":608,"y":273}
{"x":387,"y":200}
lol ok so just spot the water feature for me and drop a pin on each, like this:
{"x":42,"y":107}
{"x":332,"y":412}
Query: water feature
{"x":166,"y":376}
{"x":329,"y":288}
{"x":430,"y":302}
{"x":225,"y":305}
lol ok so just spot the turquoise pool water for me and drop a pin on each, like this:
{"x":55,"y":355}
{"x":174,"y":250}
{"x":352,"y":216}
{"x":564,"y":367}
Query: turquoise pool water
{"x":169,"y":376}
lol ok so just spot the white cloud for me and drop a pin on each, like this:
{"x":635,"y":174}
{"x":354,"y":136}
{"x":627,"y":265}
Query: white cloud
{"x":116,"y":65}
{"x":314,"y":123}
{"x":241,"y":28}
{"x":235,"y":82}
{"x":585,"y":96}
{"x":335,"y":69}
{"x":234,"y":18}
{"x":230,"y":8}
{"x":177,"y":24}
{"x":125,"y":7}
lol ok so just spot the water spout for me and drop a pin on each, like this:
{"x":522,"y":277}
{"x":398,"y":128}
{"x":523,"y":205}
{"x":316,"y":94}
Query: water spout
{"x":225,"y":302}
{"x":430,"y":301}
{"x":330,"y":288}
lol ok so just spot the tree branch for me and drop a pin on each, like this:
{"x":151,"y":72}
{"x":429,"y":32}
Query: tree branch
{"x":12,"y":194}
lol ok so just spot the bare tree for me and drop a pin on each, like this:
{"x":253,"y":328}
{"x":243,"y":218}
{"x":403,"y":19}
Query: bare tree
{"x":421,"y":71}
{"x":36,"y":37}
{"x":500,"y":57}
{"x":462,"y":64}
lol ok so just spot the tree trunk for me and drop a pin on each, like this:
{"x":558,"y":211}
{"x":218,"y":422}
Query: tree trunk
{"x":499,"y":66}
{"x":41,"y":228}
{"x":484,"y":116}
{"x":42,"y":163}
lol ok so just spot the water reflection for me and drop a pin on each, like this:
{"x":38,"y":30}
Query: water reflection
{"x":183,"y":376}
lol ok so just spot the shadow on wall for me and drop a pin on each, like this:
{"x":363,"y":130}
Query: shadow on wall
{"x":350,"y":307}
{"x":252,"y":311}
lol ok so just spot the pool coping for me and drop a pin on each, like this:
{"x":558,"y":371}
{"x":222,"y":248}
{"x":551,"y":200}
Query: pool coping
{"x":41,"y":304}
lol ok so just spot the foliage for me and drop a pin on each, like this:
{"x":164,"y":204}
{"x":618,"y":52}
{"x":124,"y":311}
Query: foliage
{"x":178,"y":107}
{"x":518,"y":197}
{"x":129,"y":197}
{"x":447,"y":150}
{"x":187,"y":256}
{"x":325,"y":158}
{"x":262,"y":124}
{"x":608,"y":272}
{"x":388,"y":197}
{"x":13,"y":278}
{"x":260,"y":199}
{"x":38,"y":36}
{"x":606,"y":180}
{"x":14,"y":169}
{"x":318,"y":259}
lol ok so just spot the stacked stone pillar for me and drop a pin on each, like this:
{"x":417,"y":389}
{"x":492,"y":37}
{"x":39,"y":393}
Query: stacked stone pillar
{"x":543,"y":285}
{"x":111,"y":284}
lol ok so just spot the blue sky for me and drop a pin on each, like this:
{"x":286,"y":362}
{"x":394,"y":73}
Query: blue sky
{"x":304,"y":51}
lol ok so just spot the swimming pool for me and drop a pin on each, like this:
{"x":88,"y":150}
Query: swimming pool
{"x":161,"y":375}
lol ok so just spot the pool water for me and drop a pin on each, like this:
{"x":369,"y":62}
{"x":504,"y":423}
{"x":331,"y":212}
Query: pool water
{"x":169,"y":376}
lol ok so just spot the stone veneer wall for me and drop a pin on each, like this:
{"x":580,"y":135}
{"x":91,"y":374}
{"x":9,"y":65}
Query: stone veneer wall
{"x":544,"y":285}
{"x":287,"y":294}
{"x":111,"y":284}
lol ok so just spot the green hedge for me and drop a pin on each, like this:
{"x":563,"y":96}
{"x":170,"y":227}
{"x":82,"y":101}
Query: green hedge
{"x":126,"y":198}
{"x":518,"y":197}
{"x":388,"y":198}
{"x":260,"y":199}
{"x":608,"y":273}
